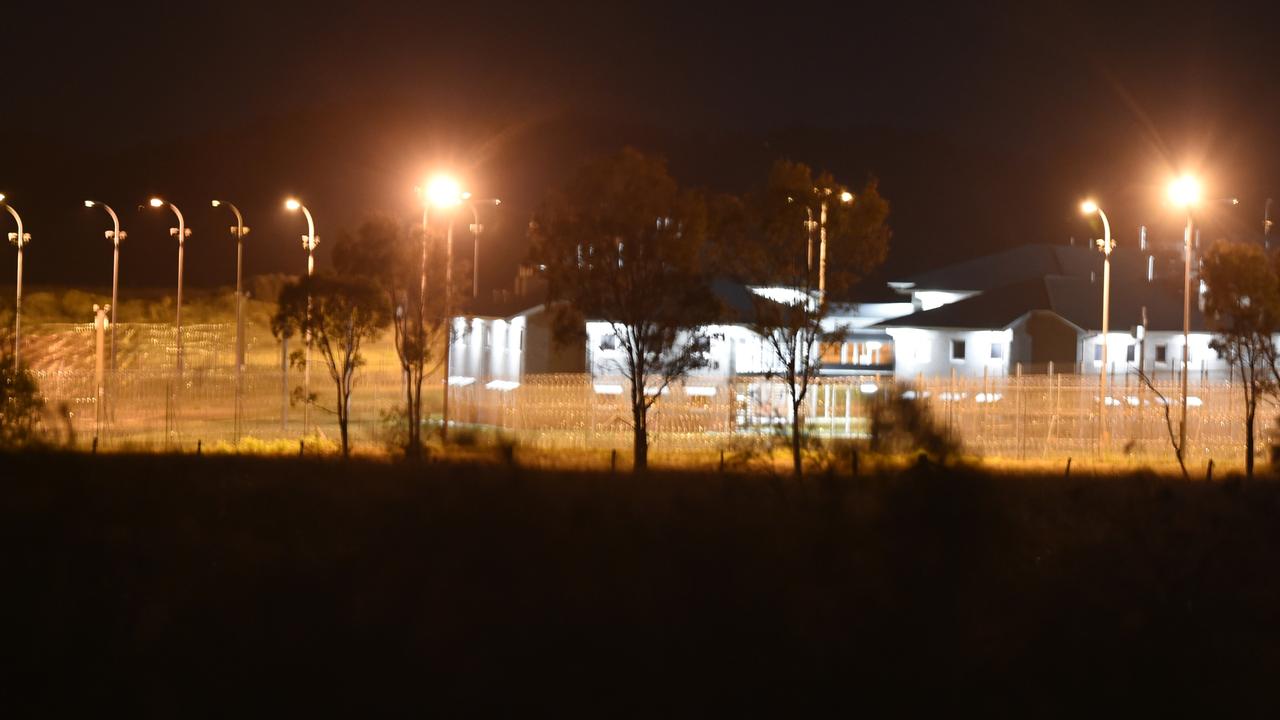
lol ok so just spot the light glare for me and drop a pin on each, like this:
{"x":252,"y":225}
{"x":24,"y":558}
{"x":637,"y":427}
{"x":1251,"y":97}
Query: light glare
{"x":846,"y":197}
{"x":1185,"y":191}
{"x":443,"y":191}
{"x":88,"y":203}
{"x":1088,"y":207}
{"x":292,"y":204}
{"x":156,"y":202}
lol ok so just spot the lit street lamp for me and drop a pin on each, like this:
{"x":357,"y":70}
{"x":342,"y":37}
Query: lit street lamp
{"x":309,"y":242}
{"x":846,"y":198}
{"x":115,"y":236}
{"x":1089,"y":207}
{"x":1185,"y":192}
{"x":182,"y":232}
{"x":238,"y":231}
{"x":443,"y":192}
{"x":19,"y":239}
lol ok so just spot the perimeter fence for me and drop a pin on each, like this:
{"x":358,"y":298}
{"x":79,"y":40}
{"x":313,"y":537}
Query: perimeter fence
{"x":1024,"y":418}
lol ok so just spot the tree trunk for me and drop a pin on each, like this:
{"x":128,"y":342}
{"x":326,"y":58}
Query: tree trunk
{"x":640,"y":443}
{"x":344,"y":407}
{"x":1248,"y":441}
{"x":797,"y":466}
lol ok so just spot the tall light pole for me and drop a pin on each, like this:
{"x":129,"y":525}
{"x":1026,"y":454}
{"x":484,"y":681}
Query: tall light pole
{"x":444,"y":193}
{"x":476,"y":229}
{"x":846,"y":198}
{"x":181,"y":233}
{"x":309,"y":242}
{"x":115,"y":235}
{"x":20,"y":239}
{"x":1089,"y":207}
{"x":238,"y":231}
{"x":1185,"y":192}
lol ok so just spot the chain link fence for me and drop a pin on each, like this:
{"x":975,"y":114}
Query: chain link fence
{"x":1024,"y":418}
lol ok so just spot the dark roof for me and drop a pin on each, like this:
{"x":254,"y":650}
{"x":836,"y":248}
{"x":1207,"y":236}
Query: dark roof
{"x":1011,"y":266}
{"x":1074,"y":299}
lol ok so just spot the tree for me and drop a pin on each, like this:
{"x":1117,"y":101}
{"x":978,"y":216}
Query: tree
{"x":382,"y":251}
{"x":622,"y":243}
{"x":20,"y":405}
{"x":340,"y":313}
{"x":783,"y":249}
{"x":1242,"y":303}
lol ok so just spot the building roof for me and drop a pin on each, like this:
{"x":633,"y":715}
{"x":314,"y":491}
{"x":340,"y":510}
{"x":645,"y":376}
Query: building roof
{"x":1023,"y":263}
{"x":1075,"y":299}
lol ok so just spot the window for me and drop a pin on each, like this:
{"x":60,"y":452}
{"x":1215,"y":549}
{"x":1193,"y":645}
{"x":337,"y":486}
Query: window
{"x":997,"y":351}
{"x":1097,"y":352}
{"x":831,"y":353}
{"x":957,"y":349}
{"x":1131,"y":353}
{"x":1162,"y":353}
{"x":609,"y":342}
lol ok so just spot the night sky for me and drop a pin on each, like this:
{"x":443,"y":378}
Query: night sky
{"x":986,"y":124}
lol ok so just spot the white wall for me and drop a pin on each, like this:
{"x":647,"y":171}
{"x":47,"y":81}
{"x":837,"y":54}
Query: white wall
{"x":927,"y":351}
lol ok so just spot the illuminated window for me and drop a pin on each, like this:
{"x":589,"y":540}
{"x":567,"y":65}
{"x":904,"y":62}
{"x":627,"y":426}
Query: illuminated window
{"x":831,"y":353}
{"x":957,"y":349}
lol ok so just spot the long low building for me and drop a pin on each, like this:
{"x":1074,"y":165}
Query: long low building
{"x":1031,"y":309}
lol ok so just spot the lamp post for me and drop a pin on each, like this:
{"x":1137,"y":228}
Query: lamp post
{"x":309,"y":242}
{"x":444,"y":193}
{"x":1089,"y":207}
{"x":182,"y":232}
{"x":238,"y":231}
{"x":846,"y":198}
{"x":115,"y":235}
{"x":1185,"y":192}
{"x":476,"y":229}
{"x":20,"y":239}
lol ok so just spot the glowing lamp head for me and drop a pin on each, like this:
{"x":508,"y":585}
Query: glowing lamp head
{"x":1,"y":197}
{"x":215,"y":203}
{"x":89,"y":203}
{"x":444,"y":191}
{"x":1088,"y":207}
{"x":292,"y":204}
{"x":156,"y":202}
{"x":846,"y":197}
{"x":1185,"y":191}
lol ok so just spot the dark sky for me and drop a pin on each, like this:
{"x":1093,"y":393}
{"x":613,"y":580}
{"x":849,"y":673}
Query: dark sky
{"x":986,"y":123}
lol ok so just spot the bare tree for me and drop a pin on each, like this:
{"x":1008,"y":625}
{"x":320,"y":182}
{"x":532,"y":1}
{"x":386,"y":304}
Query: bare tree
{"x":623,"y":244}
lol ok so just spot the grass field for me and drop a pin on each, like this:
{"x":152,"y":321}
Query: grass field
{"x":179,"y":586}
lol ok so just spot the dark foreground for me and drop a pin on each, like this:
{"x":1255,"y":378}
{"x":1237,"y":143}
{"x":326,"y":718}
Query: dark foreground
{"x":182,"y":586}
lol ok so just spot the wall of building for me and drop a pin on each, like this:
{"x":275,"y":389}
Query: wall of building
{"x":931,"y":352}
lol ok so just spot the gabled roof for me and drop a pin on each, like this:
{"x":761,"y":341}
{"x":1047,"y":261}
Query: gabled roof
{"x":1074,"y":299}
{"x":1023,"y":263}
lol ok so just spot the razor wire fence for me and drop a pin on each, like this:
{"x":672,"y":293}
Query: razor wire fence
{"x":1018,"y":417}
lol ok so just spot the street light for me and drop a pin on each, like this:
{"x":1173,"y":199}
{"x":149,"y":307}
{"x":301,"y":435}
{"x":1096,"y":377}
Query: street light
{"x":443,"y":192}
{"x":309,"y":242}
{"x":476,"y":229}
{"x":238,"y":231}
{"x":846,"y":198}
{"x":1089,"y":207}
{"x":1185,"y":192}
{"x":115,"y":235}
{"x":20,"y":239}
{"x":182,"y":232}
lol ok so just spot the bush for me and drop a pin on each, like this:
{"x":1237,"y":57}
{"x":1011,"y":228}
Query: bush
{"x":902,"y":422}
{"x":20,"y":406}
